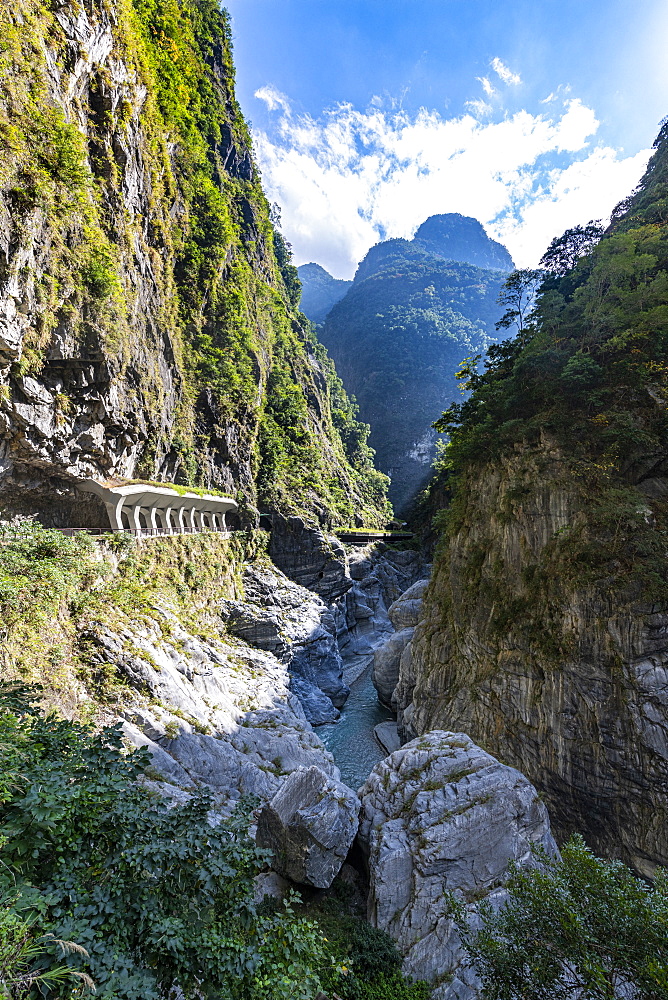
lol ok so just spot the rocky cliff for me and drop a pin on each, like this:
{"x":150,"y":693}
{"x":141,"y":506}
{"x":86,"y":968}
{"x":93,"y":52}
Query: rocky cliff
{"x":148,"y":307}
{"x":415,"y":310}
{"x":544,"y":634}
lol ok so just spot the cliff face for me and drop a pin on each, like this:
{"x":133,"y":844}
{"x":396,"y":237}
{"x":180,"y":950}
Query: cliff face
{"x":545,"y":634}
{"x":148,"y":308}
{"x":415,"y":310}
{"x":567,"y":682}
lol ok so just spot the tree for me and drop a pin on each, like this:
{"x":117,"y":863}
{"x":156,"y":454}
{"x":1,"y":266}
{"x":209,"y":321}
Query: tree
{"x":517,"y":297}
{"x":564,"y":251}
{"x":575,"y":928}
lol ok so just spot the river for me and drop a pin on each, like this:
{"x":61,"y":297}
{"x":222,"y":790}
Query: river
{"x":350,"y":740}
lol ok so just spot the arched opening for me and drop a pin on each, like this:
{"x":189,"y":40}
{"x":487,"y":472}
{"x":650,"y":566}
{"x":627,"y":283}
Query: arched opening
{"x":125,"y":520}
{"x":232,"y":520}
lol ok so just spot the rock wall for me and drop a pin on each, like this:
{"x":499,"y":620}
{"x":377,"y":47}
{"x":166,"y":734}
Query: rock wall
{"x":148,"y":308}
{"x":295,"y":625}
{"x":562,"y":678}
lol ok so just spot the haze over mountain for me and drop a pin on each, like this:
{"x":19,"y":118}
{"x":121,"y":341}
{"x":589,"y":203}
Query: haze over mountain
{"x":320,"y":291}
{"x":414,"y":311}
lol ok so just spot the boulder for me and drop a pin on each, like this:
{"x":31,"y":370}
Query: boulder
{"x":387,"y":735}
{"x":406,"y":611}
{"x":386,"y":661}
{"x":441,"y":818}
{"x":309,"y":825}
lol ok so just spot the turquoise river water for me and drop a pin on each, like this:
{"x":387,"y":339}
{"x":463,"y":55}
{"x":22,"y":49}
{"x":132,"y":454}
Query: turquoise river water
{"x":350,"y":740}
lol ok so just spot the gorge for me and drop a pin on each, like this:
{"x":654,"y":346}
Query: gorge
{"x":241,"y":758}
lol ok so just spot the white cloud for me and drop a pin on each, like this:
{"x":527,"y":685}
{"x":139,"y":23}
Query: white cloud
{"x":486,"y":86}
{"x":352,"y":177}
{"x":274,"y":99}
{"x":505,"y":74}
{"x":479,"y":108}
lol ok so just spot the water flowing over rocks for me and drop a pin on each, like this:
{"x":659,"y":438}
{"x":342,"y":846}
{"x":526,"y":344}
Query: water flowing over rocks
{"x":440,"y":817}
{"x":379,"y":577}
{"x":309,"y":825}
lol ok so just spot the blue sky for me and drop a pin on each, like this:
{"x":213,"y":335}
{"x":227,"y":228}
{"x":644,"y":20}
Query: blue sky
{"x":370,"y":115}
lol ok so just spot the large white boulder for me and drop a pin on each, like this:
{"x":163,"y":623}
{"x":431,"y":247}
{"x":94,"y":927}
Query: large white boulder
{"x":406,"y":611}
{"x":386,"y":661}
{"x":309,"y":825}
{"x":440,"y":818}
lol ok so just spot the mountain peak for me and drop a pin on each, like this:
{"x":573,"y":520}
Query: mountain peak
{"x":462,"y":238}
{"x":320,"y":291}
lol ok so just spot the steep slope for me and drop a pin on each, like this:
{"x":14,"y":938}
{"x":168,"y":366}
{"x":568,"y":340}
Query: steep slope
{"x":320,"y":291}
{"x":400,"y":333}
{"x":545,"y":635}
{"x":148,"y":308}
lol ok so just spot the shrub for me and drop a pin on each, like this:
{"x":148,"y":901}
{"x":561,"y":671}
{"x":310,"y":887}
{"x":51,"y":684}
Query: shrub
{"x":152,"y":897}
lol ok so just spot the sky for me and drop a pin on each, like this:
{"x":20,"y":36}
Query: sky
{"x":368,"y":116}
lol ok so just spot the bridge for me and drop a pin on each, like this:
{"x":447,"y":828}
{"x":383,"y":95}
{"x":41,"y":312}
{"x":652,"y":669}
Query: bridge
{"x":363,"y":536}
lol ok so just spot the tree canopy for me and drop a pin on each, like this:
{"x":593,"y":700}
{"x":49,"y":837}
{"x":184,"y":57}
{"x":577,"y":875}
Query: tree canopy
{"x":575,"y":928}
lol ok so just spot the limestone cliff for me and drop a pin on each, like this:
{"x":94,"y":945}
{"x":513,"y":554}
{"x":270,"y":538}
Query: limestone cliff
{"x":545,"y":633}
{"x":148,"y":307}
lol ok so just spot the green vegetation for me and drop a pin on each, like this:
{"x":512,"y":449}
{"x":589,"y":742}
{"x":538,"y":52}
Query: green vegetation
{"x":406,"y":323}
{"x":574,"y":928}
{"x":320,"y":291}
{"x":106,"y":890}
{"x":216,"y":345}
{"x":366,"y":964}
{"x":101,"y":878}
{"x":586,"y":380}
{"x":53,"y":587}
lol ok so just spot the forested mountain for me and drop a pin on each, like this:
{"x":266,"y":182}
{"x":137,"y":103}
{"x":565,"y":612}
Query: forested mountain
{"x":149,"y":322}
{"x":545,"y":632}
{"x":415,"y":310}
{"x":320,"y":291}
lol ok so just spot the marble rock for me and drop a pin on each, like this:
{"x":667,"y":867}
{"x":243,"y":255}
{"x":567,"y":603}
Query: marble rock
{"x":386,"y":660}
{"x":283,"y":618}
{"x":309,"y":825}
{"x":387,"y":735}
{"x":406,"y":611}
{"x":441,"y":818}
{"x":213,"y":715}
